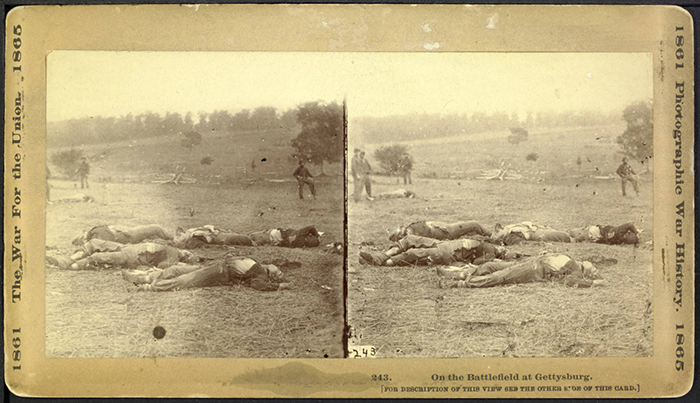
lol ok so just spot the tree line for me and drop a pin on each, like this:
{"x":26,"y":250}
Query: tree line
{"x":99,"y":129}
{"x":319,"y":128}
{"x":421,"y":126}
{"x":637,"y":140}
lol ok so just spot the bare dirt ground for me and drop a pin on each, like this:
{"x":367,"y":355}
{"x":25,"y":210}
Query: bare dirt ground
{"x":403,"y":313}
{"x":97,"y":314}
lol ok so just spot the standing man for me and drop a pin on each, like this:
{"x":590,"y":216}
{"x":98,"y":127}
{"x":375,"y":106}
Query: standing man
{"x":405,"y":166}
{"x":83,"y":171}
{"x":356,"y":171}
{"x":366,"y":180}
{"x":627,"y":174}
{"x":304,"y":177}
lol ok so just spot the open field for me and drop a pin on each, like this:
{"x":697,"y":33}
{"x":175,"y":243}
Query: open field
{"x":558,"y":151}
{"x":403,"y":313}
{"x":231,"y":154}
{"x":97,"y":314}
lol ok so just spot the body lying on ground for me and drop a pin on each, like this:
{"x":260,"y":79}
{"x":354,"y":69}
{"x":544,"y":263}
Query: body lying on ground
{"x":209,"y":235}
{"x":230,"y":270}
{"x":100,"y":253}
{"x":76,"y":198}
{"x":306,"y":237}
{"x":418,"y":250}
{"x":396,"y":194}
{"x":551,"y":267}
{"x":440,"y":230}
{"x":607,"y":234}
{"x":123,"y":234}
{"x":527,"y":231}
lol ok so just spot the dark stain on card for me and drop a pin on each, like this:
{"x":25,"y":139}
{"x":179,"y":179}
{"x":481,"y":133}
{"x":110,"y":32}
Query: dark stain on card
{"x":298,"y":379}
{"x":663,"y":262}
{"x":159,"y":332}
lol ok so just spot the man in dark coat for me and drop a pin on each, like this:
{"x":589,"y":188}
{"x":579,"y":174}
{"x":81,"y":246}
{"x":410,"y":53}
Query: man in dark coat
{"x":304,"y":177}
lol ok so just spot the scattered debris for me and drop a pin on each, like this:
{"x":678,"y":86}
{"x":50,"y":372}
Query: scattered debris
{"x":500,"y":174}
{"x":177,"y":177}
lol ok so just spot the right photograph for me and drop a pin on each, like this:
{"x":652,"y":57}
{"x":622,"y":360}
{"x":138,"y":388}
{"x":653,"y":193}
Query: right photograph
{"x":500,"y":205}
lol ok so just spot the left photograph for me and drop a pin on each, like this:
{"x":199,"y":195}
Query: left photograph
{"x":194,"y":205}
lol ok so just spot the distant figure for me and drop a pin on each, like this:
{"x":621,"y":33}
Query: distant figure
{"x":252,"y":165}
{"x":83,"y":172}
{"x":627,"y":174}
{"x":366,"y":180}
{"x":405,"y":167}
{"x":304,"y":177}
{"x":48,"y":187}
{"x":356,"y":171}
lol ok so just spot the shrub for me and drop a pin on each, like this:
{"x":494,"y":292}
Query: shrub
{"x":191,"y":139}
{"x":394,"y":159}
{"x":532,"y":157}
{"x":517,"y":135}
{"x":66,"y":162}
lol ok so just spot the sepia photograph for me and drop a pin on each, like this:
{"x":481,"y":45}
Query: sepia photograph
{"x":194,"y":206}
{"x":501,"y":205}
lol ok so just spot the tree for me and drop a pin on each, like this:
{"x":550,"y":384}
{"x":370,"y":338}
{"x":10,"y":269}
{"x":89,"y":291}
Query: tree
{"x":637,"y":141}
{"x":390,"y":158}
{"x":517,"y":135}
{"x":191,"y":139}
{"x":322,"y":137}
{"x":66,"y":162}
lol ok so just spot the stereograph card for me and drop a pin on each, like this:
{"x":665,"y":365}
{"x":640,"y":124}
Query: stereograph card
{"x":385,"y":201}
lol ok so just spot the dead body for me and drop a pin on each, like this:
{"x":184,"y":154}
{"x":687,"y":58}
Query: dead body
{"x":229,"y":271}
{"x":551,"y":267}
{"x":418,"y":250}
{"x":98,"y":253}
{"x":123,"y":234}
{"x":527,"y":231}
{"x":625,"y":234}
{"x":440,"y":230}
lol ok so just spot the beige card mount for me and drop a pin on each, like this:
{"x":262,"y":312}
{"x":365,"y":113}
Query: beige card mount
{"x":214,"y":153}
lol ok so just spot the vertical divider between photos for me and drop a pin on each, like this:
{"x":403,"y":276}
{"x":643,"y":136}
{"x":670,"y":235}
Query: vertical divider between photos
{"x":345,"y":227}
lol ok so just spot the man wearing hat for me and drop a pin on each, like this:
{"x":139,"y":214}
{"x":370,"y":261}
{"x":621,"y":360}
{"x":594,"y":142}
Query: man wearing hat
{"x":627,"y":174}
{"x":304,"y":177}
{"x":231,"y":270}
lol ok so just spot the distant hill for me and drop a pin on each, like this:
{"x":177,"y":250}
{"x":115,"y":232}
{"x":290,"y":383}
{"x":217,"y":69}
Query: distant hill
{"x":231,"y":155}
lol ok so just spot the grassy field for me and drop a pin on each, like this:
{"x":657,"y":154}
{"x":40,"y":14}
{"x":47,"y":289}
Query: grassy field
{"x":403,"y":313}
{"x":558,"y":152}
{"x":97,"y":314}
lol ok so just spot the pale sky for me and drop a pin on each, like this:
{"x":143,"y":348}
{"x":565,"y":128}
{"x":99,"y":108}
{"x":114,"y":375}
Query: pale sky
{"x":98,"y":83}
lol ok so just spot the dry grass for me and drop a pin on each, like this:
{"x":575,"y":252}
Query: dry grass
{"x":403,"y":313}
{"x":97,"y":314}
